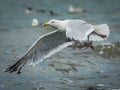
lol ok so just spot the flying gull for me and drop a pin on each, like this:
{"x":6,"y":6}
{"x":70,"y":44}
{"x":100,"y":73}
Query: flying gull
{"x":67,"y":33}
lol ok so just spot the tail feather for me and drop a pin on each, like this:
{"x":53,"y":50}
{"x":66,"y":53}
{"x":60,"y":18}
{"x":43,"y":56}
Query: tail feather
{"x":102,"y":29}
{"x":17,"y":67}
{"x":101,"y":32}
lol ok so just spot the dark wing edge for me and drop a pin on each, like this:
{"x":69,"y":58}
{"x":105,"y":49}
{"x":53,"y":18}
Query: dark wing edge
{"x":44,"y":47}
{"x":17,"y":66}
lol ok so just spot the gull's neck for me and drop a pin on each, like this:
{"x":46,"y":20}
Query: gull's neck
{"x":62,"y":25}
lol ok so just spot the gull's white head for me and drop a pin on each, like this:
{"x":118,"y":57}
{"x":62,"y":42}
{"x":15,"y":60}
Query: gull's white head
{"x":58,"y":24}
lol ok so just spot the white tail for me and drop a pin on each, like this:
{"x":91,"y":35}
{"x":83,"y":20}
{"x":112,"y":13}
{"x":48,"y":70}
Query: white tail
{"x":102,"y":32}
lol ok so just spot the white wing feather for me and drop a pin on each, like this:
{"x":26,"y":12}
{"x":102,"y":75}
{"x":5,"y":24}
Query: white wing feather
{"x":78,"y":30}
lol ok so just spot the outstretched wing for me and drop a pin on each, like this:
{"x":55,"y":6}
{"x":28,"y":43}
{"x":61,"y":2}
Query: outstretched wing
{"x":44,"y":47}
{"x":78,"y":30}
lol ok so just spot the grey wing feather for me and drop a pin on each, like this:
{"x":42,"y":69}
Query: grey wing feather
{"x":41,"y":49}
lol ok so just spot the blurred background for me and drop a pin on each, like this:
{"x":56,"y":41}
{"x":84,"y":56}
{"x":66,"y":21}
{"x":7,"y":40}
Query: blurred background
{"x":70,"y":69}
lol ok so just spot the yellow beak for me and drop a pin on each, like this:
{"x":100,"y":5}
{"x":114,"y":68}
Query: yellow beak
{"x":45,"y":24}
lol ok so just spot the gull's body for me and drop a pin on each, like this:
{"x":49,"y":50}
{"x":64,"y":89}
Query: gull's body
{"x":53,"y":42}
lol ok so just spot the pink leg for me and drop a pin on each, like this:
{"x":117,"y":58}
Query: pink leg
{"x":101,"y":35}
{"x":89,"y":44}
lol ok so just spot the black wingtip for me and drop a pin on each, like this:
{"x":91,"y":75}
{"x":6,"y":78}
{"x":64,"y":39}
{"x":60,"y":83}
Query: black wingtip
{"x":12,"y":69}
{"x":17,"y":67}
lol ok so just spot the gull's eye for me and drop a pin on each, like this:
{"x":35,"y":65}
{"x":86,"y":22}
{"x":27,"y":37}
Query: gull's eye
{"x":52,"y":21}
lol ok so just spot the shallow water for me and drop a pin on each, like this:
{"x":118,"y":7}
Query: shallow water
{"x":70,"y":69}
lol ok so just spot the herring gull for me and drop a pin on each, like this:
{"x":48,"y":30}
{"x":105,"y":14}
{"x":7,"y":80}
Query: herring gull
{"x":35,"y":22}
{"x":72,"y":9}
{"x":66,"y":34}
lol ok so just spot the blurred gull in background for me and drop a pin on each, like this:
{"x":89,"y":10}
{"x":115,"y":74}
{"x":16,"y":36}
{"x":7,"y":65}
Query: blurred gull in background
{"x":29,"y":10}
{"x":72,"y":9}
{"x":35,"y":22}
